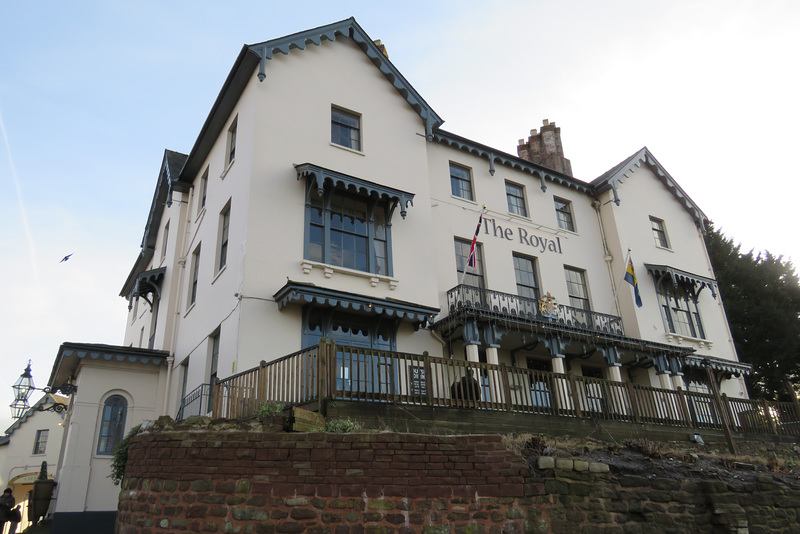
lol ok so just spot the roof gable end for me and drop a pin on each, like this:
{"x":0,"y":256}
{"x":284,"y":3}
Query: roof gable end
{"x":617,"y":175}
{"x":258,"y":54}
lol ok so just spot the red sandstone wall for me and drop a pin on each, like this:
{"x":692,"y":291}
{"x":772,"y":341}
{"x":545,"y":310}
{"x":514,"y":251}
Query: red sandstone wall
{"x":235,"y":481}
{"x":242,"y":481}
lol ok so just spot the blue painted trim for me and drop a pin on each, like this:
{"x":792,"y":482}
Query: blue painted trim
{"x":512,"y":162}
{"x":677,"y":275}
{"x":321,"y":176}
{"x":622,"y":171}
{"x":77,"y":351}
{"x":298,"y":293}
{"x":718,"y":364}
{"x":349,"y":28}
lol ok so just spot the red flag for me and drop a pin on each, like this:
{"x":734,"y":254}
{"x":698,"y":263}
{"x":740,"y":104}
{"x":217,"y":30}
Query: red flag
{"x":472,"y":261}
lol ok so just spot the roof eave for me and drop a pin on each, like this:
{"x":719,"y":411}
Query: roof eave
{"x":611,"y":179}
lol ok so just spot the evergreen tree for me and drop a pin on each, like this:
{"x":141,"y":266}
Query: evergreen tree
{"x":762,"y":299}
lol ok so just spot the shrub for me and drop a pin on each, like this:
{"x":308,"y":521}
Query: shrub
{"x":268,"y":410}
{"x":341,"y":426}
{"x":120,"y":458}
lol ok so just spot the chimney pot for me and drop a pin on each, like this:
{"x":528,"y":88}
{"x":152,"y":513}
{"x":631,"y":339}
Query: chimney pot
{"x":533,"y":132}
{"x":521,"y":142}
{"x":545,"y":122}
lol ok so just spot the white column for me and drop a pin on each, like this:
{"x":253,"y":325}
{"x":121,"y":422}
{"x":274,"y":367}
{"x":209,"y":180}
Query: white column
{"x":563,"y":393}
{"x":619,"y":397}
{"x":472,"y":353}
{"x":668,"y":401}
{"x":495,"y":380}
{"x":677,"y":382}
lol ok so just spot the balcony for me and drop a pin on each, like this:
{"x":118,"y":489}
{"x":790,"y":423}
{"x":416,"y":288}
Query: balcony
{"x":466,"y":300}
{"x":332,"y":375}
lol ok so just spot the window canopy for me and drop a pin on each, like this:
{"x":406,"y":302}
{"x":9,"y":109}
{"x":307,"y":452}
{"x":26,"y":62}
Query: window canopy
{"x":319,"y":177}
{"x":662,"y":272}
{"x":299,"y":293}
{"x":718,"y":364}
{"x":147,"y":282}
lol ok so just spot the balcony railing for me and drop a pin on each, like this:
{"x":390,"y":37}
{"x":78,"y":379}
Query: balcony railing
{"x":196,"y":402}
{"x":524,"y":309}
{"x":330,"y":371}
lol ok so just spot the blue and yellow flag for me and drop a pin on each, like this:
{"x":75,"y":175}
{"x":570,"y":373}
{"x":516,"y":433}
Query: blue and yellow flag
{"x":630,"y":277}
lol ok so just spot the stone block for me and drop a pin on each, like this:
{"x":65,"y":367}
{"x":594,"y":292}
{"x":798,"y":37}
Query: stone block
{"x":597,"y":467}
{"x":564,"y":463}
{"x":546,"y":462}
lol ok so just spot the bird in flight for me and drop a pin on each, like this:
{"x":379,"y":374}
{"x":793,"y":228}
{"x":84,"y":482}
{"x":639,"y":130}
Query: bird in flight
{"x":65,"y":258}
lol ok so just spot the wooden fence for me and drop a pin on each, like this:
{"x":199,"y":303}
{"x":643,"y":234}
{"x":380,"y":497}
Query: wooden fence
{"x":330,"y":371}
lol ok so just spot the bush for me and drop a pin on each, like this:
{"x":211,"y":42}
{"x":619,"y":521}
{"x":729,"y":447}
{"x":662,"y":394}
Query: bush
{"x":341,"y":426}
{"x":120,"y":458}
{"x":268,"y":410}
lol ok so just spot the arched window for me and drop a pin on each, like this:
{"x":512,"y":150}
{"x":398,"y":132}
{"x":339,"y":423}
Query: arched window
{"x":112,"y":426}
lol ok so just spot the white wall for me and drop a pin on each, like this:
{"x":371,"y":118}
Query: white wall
{"x":84,"y":472}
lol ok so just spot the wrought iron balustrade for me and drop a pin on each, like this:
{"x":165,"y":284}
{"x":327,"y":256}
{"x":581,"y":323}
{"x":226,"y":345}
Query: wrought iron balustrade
{"x":524,"y":309}
{"x":196,"y":402}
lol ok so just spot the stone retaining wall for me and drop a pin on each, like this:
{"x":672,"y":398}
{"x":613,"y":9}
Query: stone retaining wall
{"x":248,"y":481}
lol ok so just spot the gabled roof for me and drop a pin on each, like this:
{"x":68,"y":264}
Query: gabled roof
{"x":47,"y":398}
{"x":179,"y":170}
{"x":171,"y":166}
{"x":257,"y":55}
{"x":615,"y":176}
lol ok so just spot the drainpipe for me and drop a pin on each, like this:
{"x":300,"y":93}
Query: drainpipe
{"x":607,"y":255}
{"x":175,"y":316}
{"x":170,"y":362}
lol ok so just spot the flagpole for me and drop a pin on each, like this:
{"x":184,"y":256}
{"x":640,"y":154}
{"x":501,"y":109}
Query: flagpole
{"x":624,"y":264}
{"x":474,"y":244}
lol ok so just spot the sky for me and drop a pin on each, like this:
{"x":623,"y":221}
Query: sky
{"x":92,"y":92}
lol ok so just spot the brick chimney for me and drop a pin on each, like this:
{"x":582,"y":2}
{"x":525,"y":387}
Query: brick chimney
{"x":381,"y":47}
{"x":544,"y":148}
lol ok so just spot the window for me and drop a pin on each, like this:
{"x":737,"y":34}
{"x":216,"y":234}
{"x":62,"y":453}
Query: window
{"x":345,"y":129}
{"x":564,"y":214}
{"x":540,"y":387}
{"x":701,"y":406}
{"x":474,"y":275}
{"x":40,"y":445}
{"x":224,"y":223}
{"x":213,"y":342}
{"x":576,"y":288}
{"x":352,"y":232}
{"x":356,"y":371}
{"x":525,"y":273}
{"x":680,"y":311}
{"x":112,"y":424}
{"x":195,"y":273}
{"x":165,"y":240}
{"x":347,"y":329}
{"x":201,"y":202}
{"x":461,"y":182}
{"x":659,"y":232}
{"x":232,"y":141}
{"x":515,"y":195}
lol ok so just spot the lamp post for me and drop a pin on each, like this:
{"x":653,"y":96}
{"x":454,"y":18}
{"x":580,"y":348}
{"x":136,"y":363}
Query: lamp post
{"x":23,"y":388}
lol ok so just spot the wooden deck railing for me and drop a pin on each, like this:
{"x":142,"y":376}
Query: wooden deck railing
{"x":330,"y":371}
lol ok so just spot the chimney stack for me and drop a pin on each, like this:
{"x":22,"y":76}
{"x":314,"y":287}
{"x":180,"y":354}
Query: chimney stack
{"x":381,"y":47}
{"x":544,"y":148}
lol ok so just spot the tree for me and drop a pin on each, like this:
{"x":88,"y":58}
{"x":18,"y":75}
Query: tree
{"x":762,"y":299}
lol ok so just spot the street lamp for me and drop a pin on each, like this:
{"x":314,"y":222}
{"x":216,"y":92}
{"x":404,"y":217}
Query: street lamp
{"x":23,"y":388}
